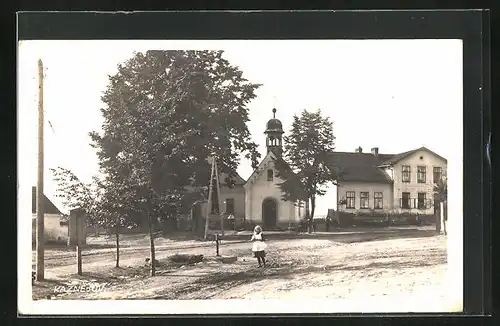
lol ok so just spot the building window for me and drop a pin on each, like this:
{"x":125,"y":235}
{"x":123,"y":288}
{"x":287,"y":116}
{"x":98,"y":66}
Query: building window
{"x":350,"y":199}
{"x":378,"y":200}
{"x":437,"y":174}
{"x":230,"y":206}
{"x":406,"y":173}
{"x":270,"y":175}
{"x":364,"y":200}
{"x":421,"y":200}
{"x":405,"y":200}
{"x":421,"y":174}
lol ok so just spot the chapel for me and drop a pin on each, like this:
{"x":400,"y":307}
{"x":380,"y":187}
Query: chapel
{"x":264,"y":204}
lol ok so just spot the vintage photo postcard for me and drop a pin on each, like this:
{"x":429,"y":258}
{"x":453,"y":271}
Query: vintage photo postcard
{"x":240,"y":176}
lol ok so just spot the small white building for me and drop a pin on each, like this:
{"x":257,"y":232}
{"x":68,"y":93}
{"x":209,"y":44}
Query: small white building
{"x":264,"y":204}
{"x":55,"y":229}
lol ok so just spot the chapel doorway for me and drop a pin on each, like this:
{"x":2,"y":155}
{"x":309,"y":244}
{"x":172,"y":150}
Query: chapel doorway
{"x":269,"y":213}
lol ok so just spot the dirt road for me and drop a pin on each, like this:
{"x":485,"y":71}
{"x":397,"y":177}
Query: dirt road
{"x":299,"y":268}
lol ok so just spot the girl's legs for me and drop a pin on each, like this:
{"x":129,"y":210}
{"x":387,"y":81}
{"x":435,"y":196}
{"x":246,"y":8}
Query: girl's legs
{"x":258,"y":259}
{"x":263,"y":260}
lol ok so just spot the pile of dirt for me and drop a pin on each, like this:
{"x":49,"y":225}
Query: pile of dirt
{"x":185,"y":259}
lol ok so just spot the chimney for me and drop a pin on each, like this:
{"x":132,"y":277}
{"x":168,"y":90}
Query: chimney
{"x":375,"y":151}
{"x":359,"y":150}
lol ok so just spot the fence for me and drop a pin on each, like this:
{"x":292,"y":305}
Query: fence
{"x":414,"y":203}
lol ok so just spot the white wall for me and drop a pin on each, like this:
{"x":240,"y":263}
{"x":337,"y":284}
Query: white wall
{"x":260,"y":189}
{"x":420,"y":158}
{"x":237,"y":193}
{"x":371,"y":188}
{"x":53,"y":229}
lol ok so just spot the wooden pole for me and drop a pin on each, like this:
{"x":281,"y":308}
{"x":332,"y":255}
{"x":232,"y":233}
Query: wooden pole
{"x":217,"y":185}
{"x":441,"y":217}
{"x":118,"y":242}
{"x":217,"y":245}
{"x":437,"y":214}
{"x":40,"y":211}
{"x":209,"y":211}
{"x":78,"y":243}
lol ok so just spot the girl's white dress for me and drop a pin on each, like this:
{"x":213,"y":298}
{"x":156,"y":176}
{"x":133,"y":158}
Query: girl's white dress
{"x":258,"y":244}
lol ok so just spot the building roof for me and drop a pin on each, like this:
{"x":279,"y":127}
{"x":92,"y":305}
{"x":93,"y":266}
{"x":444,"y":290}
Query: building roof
{"x":274,"y":125}
{"x":398,"y":157}
{"x":48,"y":206}
{"x":238,"y":180}
{"x":365,"y":167}
{"x":362,"y":167}
{"x":284,"y":171}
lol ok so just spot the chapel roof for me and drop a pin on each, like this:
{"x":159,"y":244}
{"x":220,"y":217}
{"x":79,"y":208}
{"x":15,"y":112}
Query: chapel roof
{"x":274,"y":124}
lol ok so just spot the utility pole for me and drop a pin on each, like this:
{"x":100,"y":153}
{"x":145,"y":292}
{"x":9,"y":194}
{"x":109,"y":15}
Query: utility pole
{"x":209,"y":210}
{"x":78,"y":236}
{"x":40,"y":212}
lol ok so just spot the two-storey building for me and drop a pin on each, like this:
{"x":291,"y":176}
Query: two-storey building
{"x":388,"y":182}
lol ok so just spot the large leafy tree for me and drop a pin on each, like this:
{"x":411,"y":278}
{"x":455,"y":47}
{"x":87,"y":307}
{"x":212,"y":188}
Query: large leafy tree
{"x":306,"y":152}
{"x":165,"y":113}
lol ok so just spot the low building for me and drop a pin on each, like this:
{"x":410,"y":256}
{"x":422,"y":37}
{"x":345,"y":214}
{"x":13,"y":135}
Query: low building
{"x":55,"y":227}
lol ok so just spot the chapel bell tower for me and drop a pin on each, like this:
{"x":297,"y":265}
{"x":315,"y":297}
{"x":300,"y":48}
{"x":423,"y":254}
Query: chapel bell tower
{"x":274,"y":134}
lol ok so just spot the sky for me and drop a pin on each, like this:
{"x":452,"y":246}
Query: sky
{"x":396,"y":95}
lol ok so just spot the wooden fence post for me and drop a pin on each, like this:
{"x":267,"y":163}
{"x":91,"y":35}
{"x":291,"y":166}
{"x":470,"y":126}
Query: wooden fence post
{"x":78,"y":244}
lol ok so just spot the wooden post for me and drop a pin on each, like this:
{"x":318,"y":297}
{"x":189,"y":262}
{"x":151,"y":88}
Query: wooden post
{"x":438,"y":214}
{"x":40,"y":211}
{"x":78,"y":243}
{"x":441,"y":215}
{"x":217,"y":245}
{"x":217,"y":185}
{"x":209,"y":211}
{"x":118,"y":242}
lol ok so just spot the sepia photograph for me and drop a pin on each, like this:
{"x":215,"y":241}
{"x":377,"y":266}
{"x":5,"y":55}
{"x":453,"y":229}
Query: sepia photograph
{"x":240,"y":176}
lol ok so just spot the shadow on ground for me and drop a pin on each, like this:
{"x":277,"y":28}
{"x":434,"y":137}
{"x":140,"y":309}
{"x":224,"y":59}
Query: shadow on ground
{"x":214,"y":283}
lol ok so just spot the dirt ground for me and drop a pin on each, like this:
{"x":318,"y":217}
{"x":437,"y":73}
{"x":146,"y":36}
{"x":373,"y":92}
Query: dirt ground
{"x":300,"y":268}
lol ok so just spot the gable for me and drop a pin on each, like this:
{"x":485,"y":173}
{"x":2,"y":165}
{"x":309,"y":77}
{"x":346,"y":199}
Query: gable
{"x":282,"y":172}
{"x":48,"y":206}
{"x":422,"y":157}
{"x":405,"y":155}
{"x":261,"y":168}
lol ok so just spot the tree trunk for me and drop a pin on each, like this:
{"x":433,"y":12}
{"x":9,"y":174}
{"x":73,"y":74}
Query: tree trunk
{"x":152,"y":244}
{"x":308,"y":215}
{"x":313,"y":207}
{"x":118,"y":242}
{"x":311,"y":214}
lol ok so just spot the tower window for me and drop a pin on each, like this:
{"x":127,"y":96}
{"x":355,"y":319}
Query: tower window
{"x":270,"y":175}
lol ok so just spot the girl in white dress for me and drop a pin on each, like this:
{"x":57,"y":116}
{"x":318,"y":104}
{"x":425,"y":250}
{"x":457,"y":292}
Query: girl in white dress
{"x":259,"y":247}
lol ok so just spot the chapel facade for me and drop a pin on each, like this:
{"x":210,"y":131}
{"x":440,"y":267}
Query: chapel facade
{"x":264,"y":204}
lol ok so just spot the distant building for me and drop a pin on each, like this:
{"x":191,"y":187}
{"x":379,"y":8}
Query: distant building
{"x":55,"y":227}
{"x":388,"y":182}
{"x":232,"y":199}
